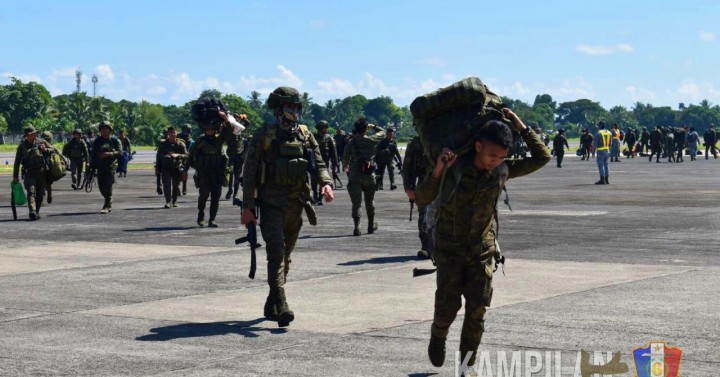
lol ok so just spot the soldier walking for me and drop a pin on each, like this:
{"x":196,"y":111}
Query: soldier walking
{"x":76,"y":150}
{"x":359,"y":162}
{"x":104,"y":159}
{"x":387,"y":154}
{"x":709,"y":140}
{"x":32,"y":154}
{"x":171,"y":156}
{"x":186,"y":137}
{"x":656,"y":144}
{"x":275,"y":182}
{"x":329,"y":156}
{"x":235,"y":149}
{"x":126,"y":154}
{"x":415,"y":168}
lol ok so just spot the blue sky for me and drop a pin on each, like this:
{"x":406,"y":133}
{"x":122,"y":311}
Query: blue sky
{"x":615,"y":52}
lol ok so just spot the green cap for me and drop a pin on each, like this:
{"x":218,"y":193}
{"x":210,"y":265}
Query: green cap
{"x":29,"y":130}
{"x":105,"y":123}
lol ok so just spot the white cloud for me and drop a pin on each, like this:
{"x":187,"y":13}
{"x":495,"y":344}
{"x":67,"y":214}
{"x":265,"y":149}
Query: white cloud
{"x":104,"y":73}
{"x":336,"y":88}
{"x":604,"y":50}
{"x":638,"y":94}
{"x":25,"y":78}
{"x":516,"y":90}
{"x":707,"y":36}
{"x":157,"y":90}
{"x":573,"y":89}
{"x":693,"y":91}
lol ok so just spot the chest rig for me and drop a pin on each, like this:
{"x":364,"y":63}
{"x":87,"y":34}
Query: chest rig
{"x":286,"y":162}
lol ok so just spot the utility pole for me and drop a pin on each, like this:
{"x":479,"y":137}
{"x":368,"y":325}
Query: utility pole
{"x":78,"y":80}
{"x":94,"y":81}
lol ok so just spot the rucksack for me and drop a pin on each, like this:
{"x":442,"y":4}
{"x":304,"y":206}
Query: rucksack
{"x":450,"y":117}
{"x":205,"y":111}
{"x":58,"y":165}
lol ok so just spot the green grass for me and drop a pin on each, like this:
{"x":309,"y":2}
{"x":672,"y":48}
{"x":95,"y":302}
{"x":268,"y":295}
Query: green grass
{"x":7,"y":169}
{"x":13,"y":147}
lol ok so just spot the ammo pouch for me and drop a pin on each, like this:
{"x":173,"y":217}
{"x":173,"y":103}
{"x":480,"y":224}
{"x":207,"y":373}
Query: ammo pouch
{"x":367,"y":167}
{"x":34,"y":160}
{"x":291,"y":166}
{"x":170,"y":164}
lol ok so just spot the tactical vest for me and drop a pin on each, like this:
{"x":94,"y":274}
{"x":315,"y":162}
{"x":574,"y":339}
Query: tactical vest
{"x":34,"y":159}
{"x":76,"y":149}
{"x":286,"y":163}
{"x":107,"y":145}
{"x":209,"y":155}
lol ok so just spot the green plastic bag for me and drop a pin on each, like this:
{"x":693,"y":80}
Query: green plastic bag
{"x":18,"y":193}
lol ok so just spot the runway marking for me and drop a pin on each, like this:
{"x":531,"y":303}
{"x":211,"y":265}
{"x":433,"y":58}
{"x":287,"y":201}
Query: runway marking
{"x":553,"y":213}
{"x":67,"y":255}
{"x":370,"y":300}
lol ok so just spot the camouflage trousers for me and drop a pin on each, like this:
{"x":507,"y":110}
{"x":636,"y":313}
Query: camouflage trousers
{"x":462,"y":273}
{"x":381,"y":165}
{"x":34,"y":183}
{"x":105,"y":181}
{"x":422,"y":228}
{"x":171,"y":179}
{"x":280,"y":228}
{"x":210,"y":186}
{"x":76,"y":170}
{"x":236,"y":162}
{"x":359,"y":185}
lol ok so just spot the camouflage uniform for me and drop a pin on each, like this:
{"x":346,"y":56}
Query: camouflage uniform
{"x":415,"y":168}
{"x":34,"y":167}
{"x":172,"y":168}
{"x":341,"y":140}
{"x":209,"y":161}
{"x":387,"y":153}
{"x":186,"y":137}
{"x":329,"y":157}
{"x":464,"y":247}
{"x":361,"y":150}
{"x":125,"y":157}
{"x":656,"y":144}
{"x":235,"y":149}
{"x":276,"y":168}
{"x":77,"y":152}
{"x":105,"y":167}
{"x":49,"y":179}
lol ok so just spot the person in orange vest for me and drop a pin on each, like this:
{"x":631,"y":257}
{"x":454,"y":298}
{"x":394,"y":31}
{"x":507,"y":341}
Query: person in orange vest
{"x":602,"y":147}
{"x":615,"y":143}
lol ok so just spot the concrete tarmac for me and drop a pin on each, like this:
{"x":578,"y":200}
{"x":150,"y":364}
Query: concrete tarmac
{"x":143,"y":291}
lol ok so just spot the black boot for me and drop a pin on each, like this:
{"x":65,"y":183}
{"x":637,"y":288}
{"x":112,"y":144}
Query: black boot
{"x":269,"y":311}
{"x":601,"y":181}
{"x":49,"y":196}
{"x":607,"y":181}
{"x":372,"y":226}
{"x":284,"y":314}
{"x":436,"y":351}
{"x":229,"y":194}
{"x":356,"y":231}
{"x":201,"y":219}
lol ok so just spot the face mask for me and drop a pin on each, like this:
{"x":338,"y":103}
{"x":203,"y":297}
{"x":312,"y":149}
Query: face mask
{"x":290,"y":116}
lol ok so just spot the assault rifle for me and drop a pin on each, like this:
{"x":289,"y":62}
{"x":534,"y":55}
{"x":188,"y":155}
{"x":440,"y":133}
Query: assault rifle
{"x":12,"y":204}
{"x":336,"y":178}
{"x":251,"y":239}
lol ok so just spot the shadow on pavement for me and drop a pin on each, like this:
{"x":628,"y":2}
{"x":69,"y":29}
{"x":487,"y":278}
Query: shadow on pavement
{"x":144,"y":209}
{"x":380,"y":260}
{"x":319,"y":237}
{"x":197,"y":330}
{"x":159,"y":229}
{"x":74,"y":214}
{"x":422,"y":374}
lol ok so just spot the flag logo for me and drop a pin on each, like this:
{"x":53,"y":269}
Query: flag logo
{"x":657,"y":360}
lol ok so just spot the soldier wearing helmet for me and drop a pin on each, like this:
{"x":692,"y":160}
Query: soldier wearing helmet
{"x":31,"y":154}
{"x":77,"y":151}
{"x":106,"y":150}
{"x":279,"y":157}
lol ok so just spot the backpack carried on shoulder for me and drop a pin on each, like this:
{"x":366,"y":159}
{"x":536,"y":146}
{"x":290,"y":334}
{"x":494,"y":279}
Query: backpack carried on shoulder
{"x":58,"y":165}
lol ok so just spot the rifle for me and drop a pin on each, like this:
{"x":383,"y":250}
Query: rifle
{"x":89,"y":179}
{"x":423,"y":271}
{"x":12,"y":204}
{"x":412,"y":205}
{"x":251,"y":239}
{"x":336,"y":179}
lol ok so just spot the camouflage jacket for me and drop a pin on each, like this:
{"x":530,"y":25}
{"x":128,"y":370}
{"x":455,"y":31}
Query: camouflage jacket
{"x":30,"y":156}
{"x":235,"y":145}
{"x":102,"y":145}
{"x":206,"y":154}
{"x":165,"y":149}
{"x":328,"y":151}
{"x":76,"y":149}
{"x":361,"y":149}
{"x":261,"y":169}
{"x":415,"y":166}
{"x":468,"y":198}
{"x":126,"y":146}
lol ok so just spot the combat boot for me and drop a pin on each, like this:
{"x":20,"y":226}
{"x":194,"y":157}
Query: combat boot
{"x":201,"y":219}
{"x":607,"y":181}
{"x":212,"y":224}
{"x":601,"y":181}
{"x":284,"y":314}
{"x":229,"y":194}
{"x":393,"y":187}
{"x":436,"y":351}
{"x":33,"y":216}
{"x":49,"y":196}
{"x":269,"y":311}
{"x":372,"y":225}
{"x":356,"y":231}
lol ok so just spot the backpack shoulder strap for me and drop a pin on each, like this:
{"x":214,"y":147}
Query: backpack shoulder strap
{"x":269,"y":136}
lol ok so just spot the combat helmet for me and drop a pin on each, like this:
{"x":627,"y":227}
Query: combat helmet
{"x":283,"y":95}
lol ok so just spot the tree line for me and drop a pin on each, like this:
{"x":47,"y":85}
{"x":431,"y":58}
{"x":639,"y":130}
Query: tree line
{"x":31,"y":103}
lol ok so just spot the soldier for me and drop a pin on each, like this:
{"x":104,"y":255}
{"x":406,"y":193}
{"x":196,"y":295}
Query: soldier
{"x":171,"y":156}
{"x":126,"y":155}
{"x":47,"y":136}
{"x":559,"y":145}
{"x":329,"y":156}
{"x":235,"y":149}
{"x":415,"y":168}
{"x":76,"y":150}
{"x":709,"y":140}
{"x":275,"y":181}
{"x":88,"y":139}
{"x":656,"y":142}
{"x":680,"y":136}
{"x":669,"y":135}
{"x":630,"y":139}
{"x":31,"y":154}
{"x":387,"y":154}
{"x":465,"y":246}
{"x":158,"y":169}
{"x":645,"y":140}
{"x":341,"y":140}
{"x":186,"y":137}
{"x":359,"y":162}
{"x":586,"y":144}
{"x":692,"y":142}
{"x":602,"y":146}
{"x":104,"y":156}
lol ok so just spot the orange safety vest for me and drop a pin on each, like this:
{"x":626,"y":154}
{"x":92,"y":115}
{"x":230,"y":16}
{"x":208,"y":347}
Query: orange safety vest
{"x":605,"y":137}
{"x":616,"y":134}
